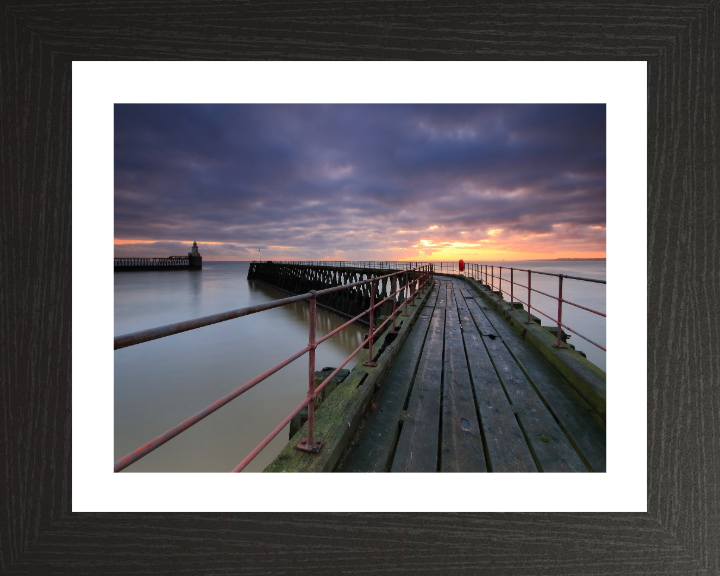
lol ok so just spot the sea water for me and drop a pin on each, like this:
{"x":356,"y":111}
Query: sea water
{"x":161,"y":383}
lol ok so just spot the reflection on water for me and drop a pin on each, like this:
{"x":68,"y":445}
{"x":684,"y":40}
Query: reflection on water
{"x":299,"y":313}
{"x":161,"y":383}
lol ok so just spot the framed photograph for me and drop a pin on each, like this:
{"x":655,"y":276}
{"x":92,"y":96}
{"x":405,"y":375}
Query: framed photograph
{"x":64,"y":510}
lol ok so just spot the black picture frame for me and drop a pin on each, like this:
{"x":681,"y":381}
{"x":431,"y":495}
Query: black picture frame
{"x":680,"y":533}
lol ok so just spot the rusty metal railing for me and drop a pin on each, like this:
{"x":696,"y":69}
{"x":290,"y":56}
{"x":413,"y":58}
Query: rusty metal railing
{"x":415,"y":280}
{"x":377,"y":265}
{"x":485,"y":273}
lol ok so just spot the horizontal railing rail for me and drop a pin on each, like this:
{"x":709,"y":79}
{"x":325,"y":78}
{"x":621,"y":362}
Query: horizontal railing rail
{"x":170,"y":261}
{"x":415,"y":280}
{"x":485,"y":273}
{"x":377,"y":265}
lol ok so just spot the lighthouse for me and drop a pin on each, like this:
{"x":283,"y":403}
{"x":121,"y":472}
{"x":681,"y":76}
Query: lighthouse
{"x":195,"y":258}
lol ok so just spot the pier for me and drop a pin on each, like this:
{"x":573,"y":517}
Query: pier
{"x":193,"y":261}
{"x":468,"y":394}
{"x":297,"y":278}
{"x":451,"y":377}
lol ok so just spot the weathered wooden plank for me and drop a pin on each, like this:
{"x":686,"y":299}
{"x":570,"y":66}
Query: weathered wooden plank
{"x":417,"y":448}
{"x":507,"y":448}
{"x":585,"y":378}
{"x":372,"y":451}
{"x":483,"y":324}
{"x":461,"y":445}
{"x":551,"y":447}
{"x":574,"y":414}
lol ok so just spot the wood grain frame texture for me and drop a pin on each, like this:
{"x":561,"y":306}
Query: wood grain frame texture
{"x":680,"y":534}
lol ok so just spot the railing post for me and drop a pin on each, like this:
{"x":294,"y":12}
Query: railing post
{"x":369,"y":361}
{"x":407,"y":285}
{"x":529,"y":320}
{"x":393,"y":288}
{"x":559,"y":339}
{"x":309,"y":444}
{"x":501,"y":292}
{"x":415,"y":284}
{"x":512,"y":287}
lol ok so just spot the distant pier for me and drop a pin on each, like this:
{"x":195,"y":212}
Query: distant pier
{"x":193,"y":261}
{"x":298,"y":279}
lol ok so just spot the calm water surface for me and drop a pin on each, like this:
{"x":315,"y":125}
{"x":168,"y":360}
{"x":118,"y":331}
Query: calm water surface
{"x":161,"y":383}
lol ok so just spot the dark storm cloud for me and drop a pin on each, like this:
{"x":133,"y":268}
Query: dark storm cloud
{"x":320,"y":178}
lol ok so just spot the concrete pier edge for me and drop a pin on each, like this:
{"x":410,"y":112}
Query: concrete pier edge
{"x":337,"y":418}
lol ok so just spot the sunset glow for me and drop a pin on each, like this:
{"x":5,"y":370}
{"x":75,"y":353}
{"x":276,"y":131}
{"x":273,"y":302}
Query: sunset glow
{"x":361,"y":182}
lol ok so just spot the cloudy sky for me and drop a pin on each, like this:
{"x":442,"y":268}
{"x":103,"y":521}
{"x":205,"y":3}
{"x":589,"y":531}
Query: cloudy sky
{"x":360,"y":182}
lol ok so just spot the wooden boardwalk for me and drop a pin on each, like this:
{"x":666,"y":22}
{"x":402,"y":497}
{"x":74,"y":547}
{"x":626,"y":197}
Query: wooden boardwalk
{"x":466,"y":394}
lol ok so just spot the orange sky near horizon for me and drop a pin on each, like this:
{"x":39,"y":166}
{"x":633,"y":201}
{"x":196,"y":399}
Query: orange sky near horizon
{"x":493,"y":248}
